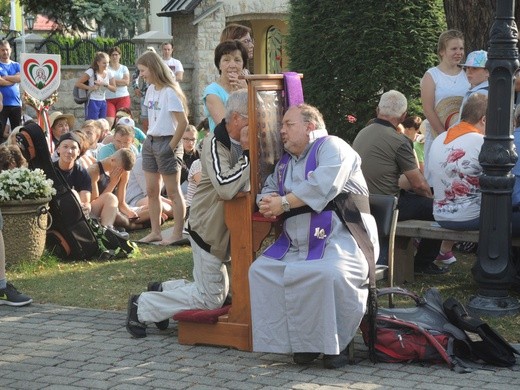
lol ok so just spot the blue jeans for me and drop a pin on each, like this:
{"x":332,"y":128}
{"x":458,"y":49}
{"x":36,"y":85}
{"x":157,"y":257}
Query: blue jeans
{"x":413,"y":206}
{"x":474,"y":224}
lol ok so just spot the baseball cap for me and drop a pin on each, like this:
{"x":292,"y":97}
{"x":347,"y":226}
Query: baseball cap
{"x":72,"y":136}
{"x":126,"y":121}
{"x":476,"y":59}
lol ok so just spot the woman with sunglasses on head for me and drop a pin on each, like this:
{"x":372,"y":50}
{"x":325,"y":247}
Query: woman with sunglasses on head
{"x":243,"y":34}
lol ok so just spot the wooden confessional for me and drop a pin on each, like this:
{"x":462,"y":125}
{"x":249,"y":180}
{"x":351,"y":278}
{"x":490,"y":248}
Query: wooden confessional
{"x":247,"y":229}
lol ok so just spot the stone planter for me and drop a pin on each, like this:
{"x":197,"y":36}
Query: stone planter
{"x":25,"y":225}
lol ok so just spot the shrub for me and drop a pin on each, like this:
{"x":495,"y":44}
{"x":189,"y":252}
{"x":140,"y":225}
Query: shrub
{"x":350,"y":52}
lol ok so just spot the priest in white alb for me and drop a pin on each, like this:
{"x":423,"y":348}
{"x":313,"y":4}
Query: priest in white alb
{"x":309,"y":289}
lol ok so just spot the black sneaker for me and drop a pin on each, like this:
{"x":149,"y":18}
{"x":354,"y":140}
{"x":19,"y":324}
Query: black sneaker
{"x":136,"y":328}
{"x":157,"y":286}
{"x":305,"y":357}
{"x":431,"y":269}
{"x":336,"y":361}
{"x":12,"y":297}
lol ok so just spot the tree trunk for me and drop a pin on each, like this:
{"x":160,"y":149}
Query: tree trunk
{"x":474,"y":18}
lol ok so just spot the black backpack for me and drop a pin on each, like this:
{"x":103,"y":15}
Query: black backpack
{"x":71,"y":236}
{"x":483,"y":341}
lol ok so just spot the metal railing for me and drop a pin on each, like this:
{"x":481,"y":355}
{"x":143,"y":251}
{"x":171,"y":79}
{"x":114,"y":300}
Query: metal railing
{"x":82,"y":52}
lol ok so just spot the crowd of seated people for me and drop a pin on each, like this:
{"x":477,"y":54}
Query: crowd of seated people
{"x":104,"y":167}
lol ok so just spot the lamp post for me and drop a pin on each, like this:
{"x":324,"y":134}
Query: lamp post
{"x":493,"y":270}
{"x":29,"y":19}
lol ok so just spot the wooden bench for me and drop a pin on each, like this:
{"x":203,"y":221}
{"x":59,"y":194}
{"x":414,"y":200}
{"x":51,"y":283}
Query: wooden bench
{"x":404,"y":249}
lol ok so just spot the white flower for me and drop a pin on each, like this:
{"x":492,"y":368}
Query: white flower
{"x":23,"y":183}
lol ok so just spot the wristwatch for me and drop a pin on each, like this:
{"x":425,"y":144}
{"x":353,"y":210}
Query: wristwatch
{"x":285,"y":204}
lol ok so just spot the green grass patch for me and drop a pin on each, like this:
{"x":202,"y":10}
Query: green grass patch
{"x":107,"y":284}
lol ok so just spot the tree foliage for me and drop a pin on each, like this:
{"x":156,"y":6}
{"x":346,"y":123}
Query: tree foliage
{"x":119,"y":17}
{"x":352,"y":51}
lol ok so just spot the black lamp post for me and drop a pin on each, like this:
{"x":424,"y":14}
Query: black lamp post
{"x":493,"y":270}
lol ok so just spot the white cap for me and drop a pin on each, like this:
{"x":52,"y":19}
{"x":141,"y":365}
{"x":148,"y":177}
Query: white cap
{"x":126,"y":121}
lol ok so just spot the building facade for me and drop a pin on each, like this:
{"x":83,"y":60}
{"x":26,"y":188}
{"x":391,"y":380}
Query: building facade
{"x":195,"y":32}
{"x":196,"y":26}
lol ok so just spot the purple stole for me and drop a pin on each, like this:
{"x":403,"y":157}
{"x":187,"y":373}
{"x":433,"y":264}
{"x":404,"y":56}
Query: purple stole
{"x":320,"y":224}
{"x":293,"y":89}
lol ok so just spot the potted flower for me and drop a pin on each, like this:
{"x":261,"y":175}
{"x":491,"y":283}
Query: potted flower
{"x":22,"y":183}
{"x":24,"y":198}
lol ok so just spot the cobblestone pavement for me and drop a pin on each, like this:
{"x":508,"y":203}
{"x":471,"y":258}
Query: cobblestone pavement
{"x":54,"y":347}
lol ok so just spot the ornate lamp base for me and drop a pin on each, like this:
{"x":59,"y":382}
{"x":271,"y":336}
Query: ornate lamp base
{"x":493,"y":306}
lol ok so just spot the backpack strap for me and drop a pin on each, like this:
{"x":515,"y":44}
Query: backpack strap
{"x":485,"y":343}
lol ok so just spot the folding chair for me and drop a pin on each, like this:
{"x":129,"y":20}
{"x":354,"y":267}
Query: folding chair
{"x":385,"y":212}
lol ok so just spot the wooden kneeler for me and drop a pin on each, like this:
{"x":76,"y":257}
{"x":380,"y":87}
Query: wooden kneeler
{"x":230,"y":325}
{"x":247,"y":229}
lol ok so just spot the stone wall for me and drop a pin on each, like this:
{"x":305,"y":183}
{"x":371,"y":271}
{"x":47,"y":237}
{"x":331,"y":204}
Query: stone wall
{"x":65,"y":102}
{"x":245,"y":7}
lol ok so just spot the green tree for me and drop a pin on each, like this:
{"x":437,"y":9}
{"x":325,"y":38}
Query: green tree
{"x":352,"y":51}
{"x":118,"y":17}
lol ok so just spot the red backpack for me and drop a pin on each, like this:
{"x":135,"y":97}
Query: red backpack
{"x":415,"y":334}
{"x":435,"y":331}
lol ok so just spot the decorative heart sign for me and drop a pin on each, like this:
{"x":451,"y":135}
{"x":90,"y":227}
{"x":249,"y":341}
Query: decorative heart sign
{"x":41,"y":74}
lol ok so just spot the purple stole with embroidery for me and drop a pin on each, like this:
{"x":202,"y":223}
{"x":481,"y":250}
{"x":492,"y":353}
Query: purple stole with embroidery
{"x":320,"y":223}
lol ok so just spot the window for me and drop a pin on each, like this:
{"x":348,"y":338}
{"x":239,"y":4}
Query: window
{"x":274,"y":50}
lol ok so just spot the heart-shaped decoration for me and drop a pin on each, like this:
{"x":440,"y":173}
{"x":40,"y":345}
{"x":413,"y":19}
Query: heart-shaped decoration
{"x":40,"y":75}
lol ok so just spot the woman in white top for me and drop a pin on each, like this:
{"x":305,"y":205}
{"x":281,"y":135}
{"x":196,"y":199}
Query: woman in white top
{"x":97,"y":80}
{"x":442,"y":81}
{"x":121,"y":97}
{"x":162,"y":150}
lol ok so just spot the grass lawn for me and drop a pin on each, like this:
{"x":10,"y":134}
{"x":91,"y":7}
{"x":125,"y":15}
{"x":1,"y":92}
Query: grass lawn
{"x":101,"y":284}
{"x":107,"y":284}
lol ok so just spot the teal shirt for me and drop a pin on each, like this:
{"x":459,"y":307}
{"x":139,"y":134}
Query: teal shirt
{"x":109,"y":149}
{"x":218,"y":90}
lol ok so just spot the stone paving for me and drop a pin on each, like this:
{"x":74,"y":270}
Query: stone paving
{"x":55,"y":347}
